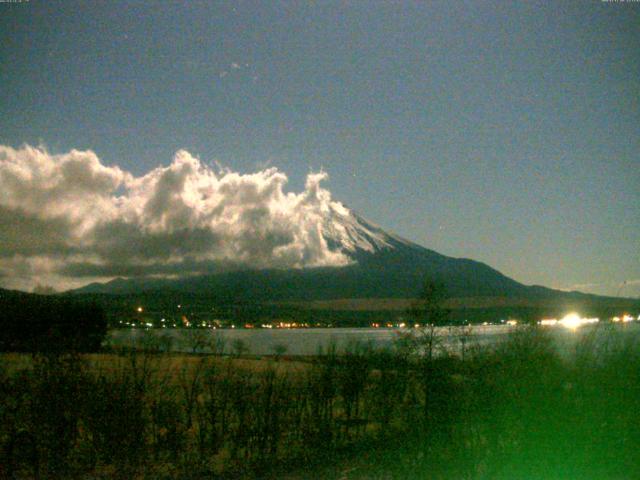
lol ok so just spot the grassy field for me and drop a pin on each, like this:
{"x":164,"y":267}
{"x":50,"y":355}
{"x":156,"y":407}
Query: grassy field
{"x":514,"y":410}
{"x":172,"y":365}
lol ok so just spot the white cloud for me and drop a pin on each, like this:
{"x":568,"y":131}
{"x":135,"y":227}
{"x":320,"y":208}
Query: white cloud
{"x":68,"y":219}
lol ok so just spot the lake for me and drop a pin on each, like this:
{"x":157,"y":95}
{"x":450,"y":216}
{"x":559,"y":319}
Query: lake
{"x":308,"y":341}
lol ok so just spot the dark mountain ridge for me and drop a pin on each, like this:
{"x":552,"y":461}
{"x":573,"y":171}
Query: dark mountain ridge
{"x":384,"y":266}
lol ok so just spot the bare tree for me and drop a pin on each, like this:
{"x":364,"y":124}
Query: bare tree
{"x":428,"y":312}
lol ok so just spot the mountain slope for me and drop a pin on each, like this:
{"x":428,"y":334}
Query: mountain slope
{"x":384,"y":266}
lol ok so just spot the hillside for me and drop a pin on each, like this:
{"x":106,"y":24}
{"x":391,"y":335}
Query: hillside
{"x":385,"y":274}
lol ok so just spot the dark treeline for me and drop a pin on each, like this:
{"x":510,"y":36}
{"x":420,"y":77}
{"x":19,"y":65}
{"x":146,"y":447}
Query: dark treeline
{"x":37,"y":323}
{"x":197,"y":308}
{"x":514,"y":410}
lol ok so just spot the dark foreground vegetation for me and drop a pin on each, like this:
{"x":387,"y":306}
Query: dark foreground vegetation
{"x":516,"y":410}
{"x":54,"y":324}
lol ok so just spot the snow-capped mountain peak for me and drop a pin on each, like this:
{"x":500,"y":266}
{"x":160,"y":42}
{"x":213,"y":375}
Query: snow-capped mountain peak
{"x":345,"y":230}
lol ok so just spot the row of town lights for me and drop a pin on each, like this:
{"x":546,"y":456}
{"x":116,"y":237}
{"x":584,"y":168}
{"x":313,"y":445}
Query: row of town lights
{"x":571,"y":321}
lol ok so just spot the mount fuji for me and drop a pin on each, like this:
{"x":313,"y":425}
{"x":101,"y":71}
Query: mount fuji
{"x":385,"y":273}
{"x":383,"y":265}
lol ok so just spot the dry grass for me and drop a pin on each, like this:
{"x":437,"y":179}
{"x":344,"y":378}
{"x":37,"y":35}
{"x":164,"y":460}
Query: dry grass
{"x":499,"y":412}
{"x":174,"y":362}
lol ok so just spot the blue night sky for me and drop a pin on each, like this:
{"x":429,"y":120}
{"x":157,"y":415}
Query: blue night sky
{"x":506,"y":133}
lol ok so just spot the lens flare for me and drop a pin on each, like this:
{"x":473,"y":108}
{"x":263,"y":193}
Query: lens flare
{"x":571,"y":320}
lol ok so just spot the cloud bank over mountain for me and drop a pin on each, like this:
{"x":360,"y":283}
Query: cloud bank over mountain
{"x":69,"y":219}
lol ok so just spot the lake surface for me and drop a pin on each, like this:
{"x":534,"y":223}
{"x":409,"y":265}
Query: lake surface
{"x":309,"y":341}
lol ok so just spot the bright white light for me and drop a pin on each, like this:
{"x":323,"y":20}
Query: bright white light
{"x":512,"y":322}
{"x":548,"y":321}
{"x":572,"y":321}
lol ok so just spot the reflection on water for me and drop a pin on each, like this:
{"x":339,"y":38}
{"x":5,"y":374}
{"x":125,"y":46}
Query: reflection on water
{"x":309,"y":341}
